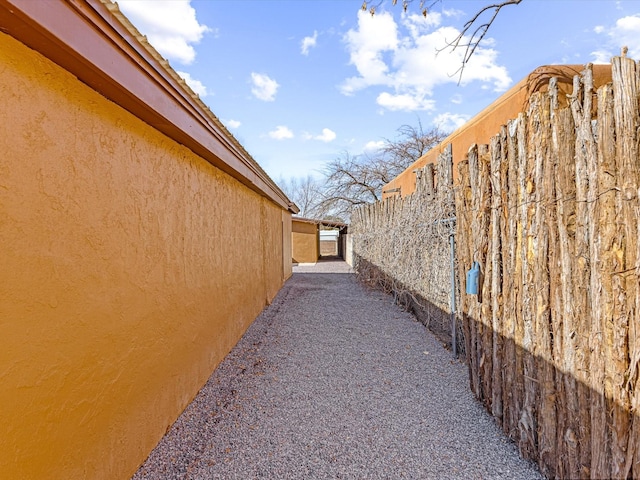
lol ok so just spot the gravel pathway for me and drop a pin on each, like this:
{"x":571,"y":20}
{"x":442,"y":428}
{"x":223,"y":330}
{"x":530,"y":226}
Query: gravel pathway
{"x":333,"y":381}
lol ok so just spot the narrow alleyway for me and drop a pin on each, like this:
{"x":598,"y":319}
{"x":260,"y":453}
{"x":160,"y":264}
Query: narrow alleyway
{"x":334,"y":381}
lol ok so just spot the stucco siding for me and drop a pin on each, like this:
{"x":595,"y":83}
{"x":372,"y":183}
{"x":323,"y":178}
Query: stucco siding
{"x":287,"y":240}
{"x":305,"y":242}
{"x":130,"y":267}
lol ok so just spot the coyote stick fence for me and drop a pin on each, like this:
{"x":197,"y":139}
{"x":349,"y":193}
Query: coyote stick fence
{"x":550,"y":210}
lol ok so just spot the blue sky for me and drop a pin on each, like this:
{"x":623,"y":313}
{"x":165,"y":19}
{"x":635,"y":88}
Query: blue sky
{"x":300,"y":82}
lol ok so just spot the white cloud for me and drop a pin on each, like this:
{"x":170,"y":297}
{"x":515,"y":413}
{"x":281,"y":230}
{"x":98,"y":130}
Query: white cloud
{"x":326,"y":136}
{"x":281,"y":133}
{"x":420,"y":25}
{"x":373,"y":145}
{"x":407,"y":101}
{"x":452,"y":12}
{"x":169,"y":25}
{"x":232,"y":123}
{"x":404,"y":60}
{"x":601,"y":56}
{"x":626,"y":32}
{"x":308,"y":42}
{"x":264,"y":88}
{"x":196,"y":85}
{"x":375,"y":35}
{"x":449,"y":122}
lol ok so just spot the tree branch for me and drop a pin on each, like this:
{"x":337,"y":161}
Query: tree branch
{"x":473,"y":42}
{"x":478,"y":34}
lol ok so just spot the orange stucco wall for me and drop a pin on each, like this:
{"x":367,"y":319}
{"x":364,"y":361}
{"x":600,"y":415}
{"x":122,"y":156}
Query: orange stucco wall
{"x":129,"y":268}
{"x":488,"y":122}
{"x":305,"y":242}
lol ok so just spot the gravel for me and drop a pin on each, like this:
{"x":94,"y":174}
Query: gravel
{"x":334,"y":381}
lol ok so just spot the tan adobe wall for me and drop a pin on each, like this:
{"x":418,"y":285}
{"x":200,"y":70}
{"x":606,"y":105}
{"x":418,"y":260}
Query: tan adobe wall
{"x":287,"y":261}
{"x":328,"y":248}
{"x":130,"y":267}
{"x":488,"y":122}
{"x":305,"y":241}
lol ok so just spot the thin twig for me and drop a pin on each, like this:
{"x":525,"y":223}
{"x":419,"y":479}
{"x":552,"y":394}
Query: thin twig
{"x":471,"y":45}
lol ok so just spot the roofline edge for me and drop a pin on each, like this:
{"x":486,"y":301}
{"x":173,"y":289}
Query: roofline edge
{"x":90,"y":40}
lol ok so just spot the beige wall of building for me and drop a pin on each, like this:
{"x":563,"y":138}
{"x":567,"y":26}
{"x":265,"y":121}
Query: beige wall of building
{"x":131,"y":265}
{"x":287,"y":244}
{"x":305,"y":241}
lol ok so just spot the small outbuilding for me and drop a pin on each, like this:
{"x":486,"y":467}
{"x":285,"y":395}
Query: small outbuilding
{"x":329,"y":242}
{"x":312,"y":239}
{"x":305,"y":240}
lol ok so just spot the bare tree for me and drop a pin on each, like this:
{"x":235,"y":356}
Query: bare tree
{"x":472,"y":33}
{"x":355,"y":180}
{"x":306,"y":193}
{"x":413,"y":142}
{"x":351,"y":181}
